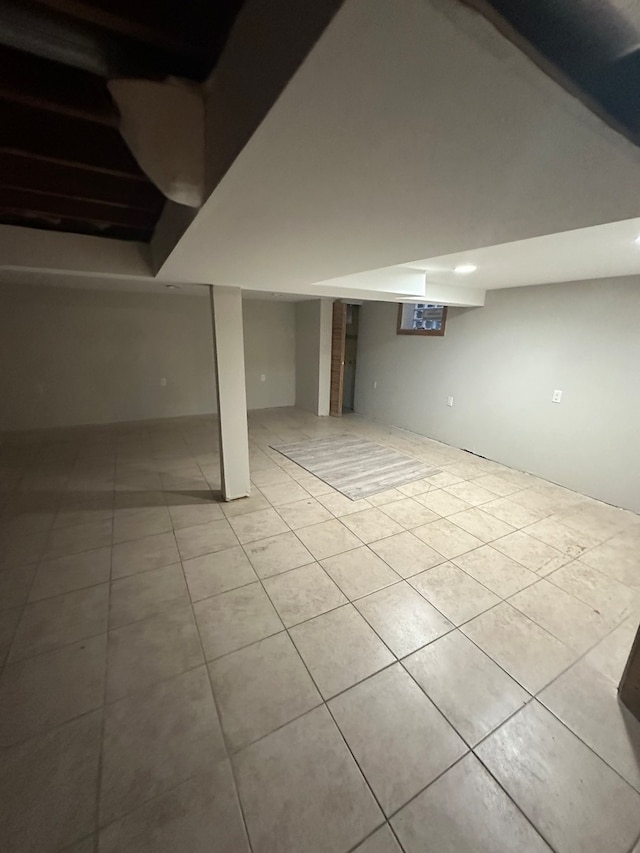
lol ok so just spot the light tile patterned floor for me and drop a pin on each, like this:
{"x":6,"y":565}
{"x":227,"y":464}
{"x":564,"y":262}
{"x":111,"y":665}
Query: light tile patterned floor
{"x":432,"y":668}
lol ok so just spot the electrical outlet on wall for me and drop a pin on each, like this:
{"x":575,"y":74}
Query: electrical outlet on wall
{"x":557,"y":397}
{"x":163,"y":382}
{"x":374,"y":384}
{"x":262,"y":377}
{"x":449,"y":401}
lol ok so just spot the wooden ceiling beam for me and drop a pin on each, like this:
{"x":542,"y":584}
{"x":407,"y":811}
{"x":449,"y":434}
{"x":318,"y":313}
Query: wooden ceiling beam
{"x":36,"y":204}
{"x":65,"y":138}
{"x":24,"y":172}
{"x":43,"y":84}
{"x":73,"y":226}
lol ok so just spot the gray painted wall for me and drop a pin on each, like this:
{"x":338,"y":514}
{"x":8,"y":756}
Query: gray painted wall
{"x":313,"y":355}
{"x":71,"y":356}
{"x":501,"y":363}
{"x":307,"y":354}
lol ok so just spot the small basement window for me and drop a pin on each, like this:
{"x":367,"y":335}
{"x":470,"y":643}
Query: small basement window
{"x":421,"y":318}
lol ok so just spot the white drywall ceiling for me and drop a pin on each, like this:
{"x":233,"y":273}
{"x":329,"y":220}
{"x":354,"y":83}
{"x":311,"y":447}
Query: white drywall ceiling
{"x":412,"y":130}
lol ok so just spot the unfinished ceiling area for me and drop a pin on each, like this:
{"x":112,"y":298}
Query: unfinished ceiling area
{"x":63,"y":164}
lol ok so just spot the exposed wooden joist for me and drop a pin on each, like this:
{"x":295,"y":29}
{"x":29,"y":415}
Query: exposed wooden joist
{"x":74,"y":226}
{"x":23,"y":172}
{"x":65,"y":138}
{"x":42,"y":84}
{"x":37,"y":204}
{"x":120,"y":22}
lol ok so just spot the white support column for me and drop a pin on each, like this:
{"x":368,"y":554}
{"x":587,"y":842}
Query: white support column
{"x":228,"y":347}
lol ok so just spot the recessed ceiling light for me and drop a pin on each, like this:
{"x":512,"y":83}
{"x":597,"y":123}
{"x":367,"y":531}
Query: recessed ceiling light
{"x":465,"y":269}
{"x":172,"y":287}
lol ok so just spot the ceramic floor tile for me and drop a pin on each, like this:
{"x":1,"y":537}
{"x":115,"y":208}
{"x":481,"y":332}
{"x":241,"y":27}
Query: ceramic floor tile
{"x":386,"y":497}
{"x":447,"y":538}
{"x":561,"y":538}
{"x":610,"y":655}
{"x":200,"y":816}
{"x":44,"y":691}
{"x":618,"y":559}
{"x":288,"y":808}
{"x":587,"y":703}
{"x":372,"y":524}
{"x":269,"y":476}
{"x":530,"y":552}
{"x":406,"y":554}
{"x":141,"y":555}
{"x":359,"y":572}
{"x":205,"y":539}
{"x":570,"y":795}
{"x":453,"y":592}
{"x":87,"y":845}
{"x":48,"y":788}
{"x":577,"y":625}
{"x":279,"y":494}
{"x":260,"y":688}
{"x":235,"y":619}
{"x":136,"y":523}
{"x":153,"y":649}
{"x":64,"y":541}
{"x":338,"y":504}
{"x":511,"y":512}
{"x":465,"y":811}
{"x":382,"y":841}
{"x":251,"y":526}
{"x":409,"y":513}
{"x":303,"y":593}
{"x":530,"y":655}
{"x":417,"y":487}
{"x":399,"y":739}
{"x":243,"y":506}
{"x":403,"y":619}
{"x":314,"y":486}
{"x":178,"y":714}
{"x":328,"y":539}
{"x":495,"y":570}
{"x":55,"y":622}
{"x":443,"y":478}
{"x":340,"y":649}
{"x":612,"y":599}
{"x":442,"y":503}
{"x":471,"y":493}
{"x":8,"y":623}
{"x":473,"y":693}
{"x":212,"y":574}
{"x":304,"y":513}
{"x":190,"y":515}
{"x":15,"y":583}
{"x":68,"y":573}
{"x":277,"y":554}
{"x":501,"y":486}
{"x":481,"y":524}
{"x":140,"y":596}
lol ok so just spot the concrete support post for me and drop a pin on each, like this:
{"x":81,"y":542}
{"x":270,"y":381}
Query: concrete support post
{"x":228,"y":346}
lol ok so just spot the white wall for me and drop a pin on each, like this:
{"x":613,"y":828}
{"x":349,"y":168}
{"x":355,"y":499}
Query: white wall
{"x":502,"y":363}
{"x":72,"y":356}
{"x":313,"y":355}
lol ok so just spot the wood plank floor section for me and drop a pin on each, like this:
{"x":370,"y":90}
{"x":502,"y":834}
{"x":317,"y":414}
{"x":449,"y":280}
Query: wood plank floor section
{"x":354,"y":466}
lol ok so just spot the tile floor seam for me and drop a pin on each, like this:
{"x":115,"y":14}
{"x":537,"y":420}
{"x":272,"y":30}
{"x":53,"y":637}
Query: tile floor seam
{"x":103,"y":719}
{"x":508,"y":795}
{"x":228,"y":755}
